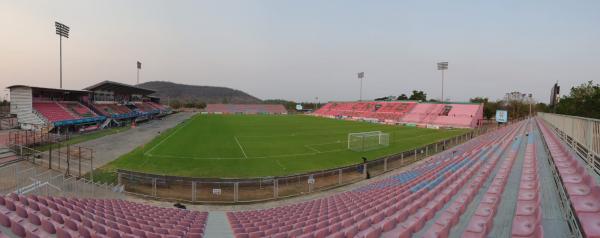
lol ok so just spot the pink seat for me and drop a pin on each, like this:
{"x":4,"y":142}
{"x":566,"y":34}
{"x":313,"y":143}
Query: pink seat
{"x":590,"y":222}
{"x":17,"y":229}
{"x":586,"y":203}
{"x":485,"y":210}
{"x":477,"y":227}
{"x":437,"y":231}
{"x":578,"y":189}
{"x":526,"y":226}
{"x":526,"y":208}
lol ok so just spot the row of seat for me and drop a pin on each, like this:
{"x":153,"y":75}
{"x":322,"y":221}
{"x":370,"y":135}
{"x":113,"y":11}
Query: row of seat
{"x":528,"y":214}
{"x":583,"y":190}
{"x":109,"y":109}
{"x":482,"y":221}
{"x":375,"y":209}
{"x":32,"y":216}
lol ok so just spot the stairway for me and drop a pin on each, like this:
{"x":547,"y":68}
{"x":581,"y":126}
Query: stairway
{"x":7,"y":157}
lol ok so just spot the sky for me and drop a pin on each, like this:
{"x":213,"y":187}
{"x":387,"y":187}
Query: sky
{"x":301,"y":50}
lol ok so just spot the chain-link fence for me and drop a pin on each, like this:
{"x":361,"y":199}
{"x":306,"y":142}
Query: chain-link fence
{"x":28,"y":178}
{"x":211,"y":190}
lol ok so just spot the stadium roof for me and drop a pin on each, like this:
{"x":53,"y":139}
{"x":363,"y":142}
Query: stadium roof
{"x":50,"y":89}
{"x":118,"y":88}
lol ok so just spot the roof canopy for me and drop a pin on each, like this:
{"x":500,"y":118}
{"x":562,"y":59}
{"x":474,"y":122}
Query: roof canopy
{"x":51,"y":90}
{"x":120,"y":88}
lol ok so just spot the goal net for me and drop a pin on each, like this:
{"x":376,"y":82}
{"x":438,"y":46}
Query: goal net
{"x":364,"y":141}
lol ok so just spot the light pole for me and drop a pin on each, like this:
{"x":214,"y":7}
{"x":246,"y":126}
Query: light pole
{"x":139,"y":66}
{"x":62,"y":31}
{"x":361,"y":75}
{"x":442,"y":66}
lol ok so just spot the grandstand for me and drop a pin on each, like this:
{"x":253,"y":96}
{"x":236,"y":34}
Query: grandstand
{"x":246,"y":109}
{"x":486,"y":188}
{"x":96,"y":106}
{"x":408,"y":112}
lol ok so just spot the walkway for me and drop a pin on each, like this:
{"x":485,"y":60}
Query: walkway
{"x":217,"y":226}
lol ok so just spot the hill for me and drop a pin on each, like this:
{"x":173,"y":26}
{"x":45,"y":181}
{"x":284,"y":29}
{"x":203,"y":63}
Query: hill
{"x":207,"y":94}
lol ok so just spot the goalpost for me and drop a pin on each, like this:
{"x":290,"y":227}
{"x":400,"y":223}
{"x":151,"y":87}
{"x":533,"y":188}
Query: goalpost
{"x":365,"y":141}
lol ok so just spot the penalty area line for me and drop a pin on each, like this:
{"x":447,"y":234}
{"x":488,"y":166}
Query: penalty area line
{"x":240,"y":145}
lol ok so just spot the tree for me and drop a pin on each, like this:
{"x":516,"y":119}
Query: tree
{"x":175,"y":104}
{"x":200,"y":105}
{"x":541,"y":107}
{"x":583,"y":100}
{"x":402,"y":97}
{"x":489,"y":108}
{"x":418,"y":96}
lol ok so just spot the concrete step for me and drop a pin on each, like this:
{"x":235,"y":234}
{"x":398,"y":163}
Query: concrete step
{"x":5,"y":152}
{"x":8,"y":160}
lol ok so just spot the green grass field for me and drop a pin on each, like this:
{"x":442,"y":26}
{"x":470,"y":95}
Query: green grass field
{"x":230,"y":146}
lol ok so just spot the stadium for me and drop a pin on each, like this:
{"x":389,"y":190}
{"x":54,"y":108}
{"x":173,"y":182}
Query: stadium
{"x":159,"y":159}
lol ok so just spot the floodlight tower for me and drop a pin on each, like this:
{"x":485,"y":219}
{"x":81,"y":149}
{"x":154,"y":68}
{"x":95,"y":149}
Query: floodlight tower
{"x":62,"y":30}
{"x":442,"y":66}
{"x":361,"y":75}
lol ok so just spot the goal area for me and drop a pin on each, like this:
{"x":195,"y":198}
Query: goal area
{"x":365,"y":141}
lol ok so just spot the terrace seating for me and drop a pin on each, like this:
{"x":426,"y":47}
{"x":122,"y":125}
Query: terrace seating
{"x":111,"y":109}
{"x":146,"y":107}
{"x":33,"y":216}
{"x":377,"y":110}
{"x":451,"y":115}
{"x":78,"y":109}
{"x":397,"y":206}
{"x":583,"y":191}
{"x":53,"y":111}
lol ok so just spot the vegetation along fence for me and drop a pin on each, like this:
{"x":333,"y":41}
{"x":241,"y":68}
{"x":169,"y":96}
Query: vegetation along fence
{"x":217,"y":190}
{"x":582,"y":134}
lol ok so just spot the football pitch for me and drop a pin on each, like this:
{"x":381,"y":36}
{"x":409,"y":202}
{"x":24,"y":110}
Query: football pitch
{"x":236,"y":146}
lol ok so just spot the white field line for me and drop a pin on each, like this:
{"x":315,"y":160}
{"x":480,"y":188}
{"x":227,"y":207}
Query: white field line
{"x":165,"y":139}
{"x":311,"y":148}
{"x":240,"y":145}
{"x":281,"y":165}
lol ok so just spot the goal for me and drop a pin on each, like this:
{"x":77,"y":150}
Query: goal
{"x":365,"y":141}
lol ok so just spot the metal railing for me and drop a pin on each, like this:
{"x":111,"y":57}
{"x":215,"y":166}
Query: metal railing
{"x":580,"y":133}
{"x":218,"y":190}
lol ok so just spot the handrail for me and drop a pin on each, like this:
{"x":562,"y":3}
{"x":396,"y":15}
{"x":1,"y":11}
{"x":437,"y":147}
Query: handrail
{"x":580,"y":133}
